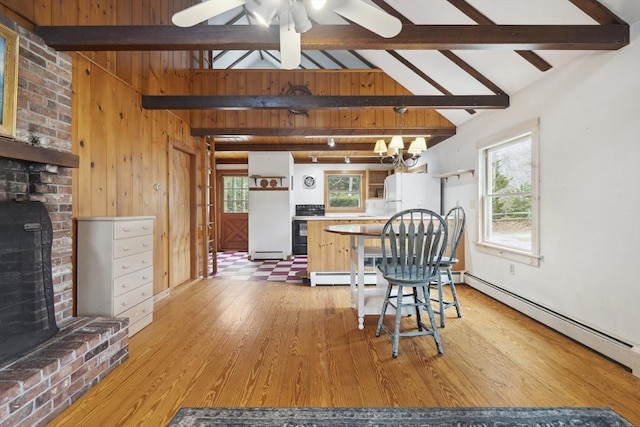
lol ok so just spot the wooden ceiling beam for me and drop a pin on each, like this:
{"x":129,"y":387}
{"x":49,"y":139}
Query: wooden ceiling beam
{"x":597,"y":12}
{"x":315,"y":102}
{"x":324,"y":132}
{"x":336,"y":37}
{"x":319,"y":147}
{"x":473,"y":13}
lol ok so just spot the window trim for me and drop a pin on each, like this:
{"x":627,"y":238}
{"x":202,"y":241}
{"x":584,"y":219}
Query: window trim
{"x":363,"y":193}
{"x":533,"y":256}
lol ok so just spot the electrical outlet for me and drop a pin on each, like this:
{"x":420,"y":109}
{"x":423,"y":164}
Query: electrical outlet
{"x":512,"y":269}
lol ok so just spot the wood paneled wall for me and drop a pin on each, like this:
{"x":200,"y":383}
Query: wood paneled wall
{"x":147,"y":72}
{"x":319,"y":82}
{"x":123,"y":149}
{"x":123,"y":152}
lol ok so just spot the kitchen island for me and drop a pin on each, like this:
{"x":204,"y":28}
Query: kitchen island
{"x":328,"y":254}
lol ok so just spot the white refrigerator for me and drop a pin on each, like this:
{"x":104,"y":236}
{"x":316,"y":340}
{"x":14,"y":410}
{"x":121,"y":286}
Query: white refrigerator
{"x":411,"y":190}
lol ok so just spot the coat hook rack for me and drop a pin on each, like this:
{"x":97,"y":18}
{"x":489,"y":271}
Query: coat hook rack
{"x":457,"y":173}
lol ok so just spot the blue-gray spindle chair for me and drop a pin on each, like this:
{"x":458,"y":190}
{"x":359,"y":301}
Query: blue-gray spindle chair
{"x":456,"y":219}
{"x":413,"y":244}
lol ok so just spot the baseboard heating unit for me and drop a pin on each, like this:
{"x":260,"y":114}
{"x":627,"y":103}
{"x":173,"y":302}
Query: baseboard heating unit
{"x":624,"y":353}
{"x":268,"y":255}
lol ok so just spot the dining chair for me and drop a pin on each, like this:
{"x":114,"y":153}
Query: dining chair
{"x":413,"y":244}
{"x":456,"y":219}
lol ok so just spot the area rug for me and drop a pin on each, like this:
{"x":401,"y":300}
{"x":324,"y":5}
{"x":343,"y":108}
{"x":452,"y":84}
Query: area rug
{"x":405,"y":417}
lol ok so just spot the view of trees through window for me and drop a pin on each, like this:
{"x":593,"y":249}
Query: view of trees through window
{"x":235,"y":194}
{"x":344,"y":191}
{"x":508,"y":194}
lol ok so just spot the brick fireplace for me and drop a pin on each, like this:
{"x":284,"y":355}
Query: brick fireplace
{"x":37,"y":166}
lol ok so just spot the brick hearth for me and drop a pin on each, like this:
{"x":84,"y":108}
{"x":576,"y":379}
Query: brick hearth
{"x":40,"y":385}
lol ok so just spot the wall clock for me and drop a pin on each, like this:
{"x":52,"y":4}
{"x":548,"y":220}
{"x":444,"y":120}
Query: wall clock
{"x":309,"y":181}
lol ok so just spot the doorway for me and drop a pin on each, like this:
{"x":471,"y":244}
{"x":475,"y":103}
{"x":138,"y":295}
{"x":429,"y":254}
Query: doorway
{"x":233,"y":200}
{"x":182,"y":233}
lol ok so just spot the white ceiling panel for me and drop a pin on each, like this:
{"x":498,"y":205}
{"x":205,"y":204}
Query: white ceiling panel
{"x":444,"y":72}
{"x":430,"y":12}
{"x":541,"y":12}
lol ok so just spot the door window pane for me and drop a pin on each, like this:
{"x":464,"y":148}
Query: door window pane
{"x":235,"y":194}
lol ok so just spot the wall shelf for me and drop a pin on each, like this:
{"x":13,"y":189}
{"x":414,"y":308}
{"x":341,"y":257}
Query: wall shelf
{"x":266,"y":181}
{"x":457,"y":173}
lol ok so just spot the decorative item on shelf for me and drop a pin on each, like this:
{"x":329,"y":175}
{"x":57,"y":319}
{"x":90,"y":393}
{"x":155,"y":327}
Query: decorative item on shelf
{"x":266,"y":182}
{"x":309,"y":181}
{"x":394,"y":156}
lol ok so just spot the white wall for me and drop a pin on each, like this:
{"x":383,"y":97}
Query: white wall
{"x":270,"y":211}
{"x":589,"y":112}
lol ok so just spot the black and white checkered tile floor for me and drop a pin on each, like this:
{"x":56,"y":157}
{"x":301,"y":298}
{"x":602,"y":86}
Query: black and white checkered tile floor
{"x":236,"y":266}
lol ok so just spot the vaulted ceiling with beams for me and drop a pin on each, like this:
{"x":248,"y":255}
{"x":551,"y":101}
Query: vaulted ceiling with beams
{"x":453,"y":57}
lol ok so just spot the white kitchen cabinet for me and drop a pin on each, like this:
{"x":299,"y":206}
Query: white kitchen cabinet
{"x":115,"y":268}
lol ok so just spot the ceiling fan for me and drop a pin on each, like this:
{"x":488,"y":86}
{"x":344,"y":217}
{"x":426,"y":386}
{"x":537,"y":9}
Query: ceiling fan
{"x":293,"y":12}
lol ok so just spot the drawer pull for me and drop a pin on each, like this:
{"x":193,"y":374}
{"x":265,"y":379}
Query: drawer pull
{"x":145,"y":227}
{"x":125,"y":267}
{"x":125,"y":229}
{"x":124,"y":303}
{"x":145,"y":245}
{"x":126,"y":249}
{"x":125,"y":285}
{"x":145,"y":277}
{"x":144,"y":261}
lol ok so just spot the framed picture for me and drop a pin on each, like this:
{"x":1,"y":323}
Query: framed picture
{"x":8,"y":81}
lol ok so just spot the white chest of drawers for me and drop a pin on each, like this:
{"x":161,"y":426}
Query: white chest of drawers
{"x":115,"y":268}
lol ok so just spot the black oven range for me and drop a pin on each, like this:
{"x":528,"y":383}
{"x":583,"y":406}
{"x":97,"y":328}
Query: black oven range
{"x":300,"y":226}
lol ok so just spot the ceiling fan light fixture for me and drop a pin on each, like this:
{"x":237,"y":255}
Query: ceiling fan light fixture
{"x":318,"y":4}
{"x":301,"y":20}
{"x":266,"y":12}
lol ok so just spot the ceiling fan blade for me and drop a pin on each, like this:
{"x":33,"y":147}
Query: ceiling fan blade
{"x":370,"y":17}
{"x":202,"y":11}
{"x":289,"y":46}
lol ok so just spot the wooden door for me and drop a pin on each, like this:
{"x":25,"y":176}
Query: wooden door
{"x":233,"y":200}
{"x":180,"y":218}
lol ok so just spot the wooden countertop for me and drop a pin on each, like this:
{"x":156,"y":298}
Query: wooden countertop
{"x":359,"y":218}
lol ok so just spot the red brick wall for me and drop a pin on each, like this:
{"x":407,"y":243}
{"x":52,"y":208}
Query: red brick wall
{"x":44,"y":120}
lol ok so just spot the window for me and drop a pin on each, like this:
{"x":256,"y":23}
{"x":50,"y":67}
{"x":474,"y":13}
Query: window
{"x":235,"y":194}
{"x":508,"y":195}
{"x":344,"y":191}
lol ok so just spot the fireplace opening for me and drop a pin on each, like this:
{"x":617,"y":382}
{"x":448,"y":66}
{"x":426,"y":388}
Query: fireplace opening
{"x":27,"y":316}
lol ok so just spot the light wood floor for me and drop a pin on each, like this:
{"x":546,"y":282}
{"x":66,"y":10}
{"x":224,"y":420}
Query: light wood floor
{"x":224,"y":343}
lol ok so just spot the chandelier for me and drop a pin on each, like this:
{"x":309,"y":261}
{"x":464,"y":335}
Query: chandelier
{"x":394,"y":156}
